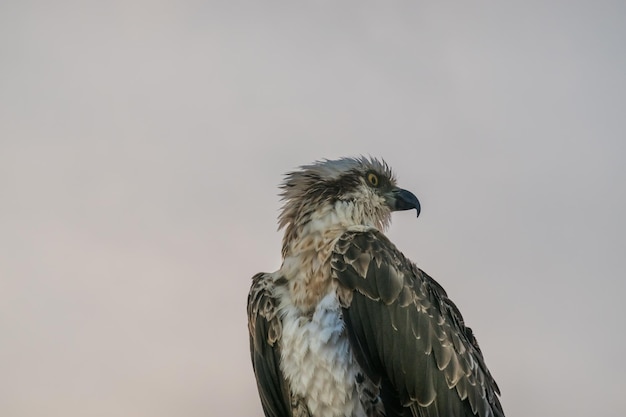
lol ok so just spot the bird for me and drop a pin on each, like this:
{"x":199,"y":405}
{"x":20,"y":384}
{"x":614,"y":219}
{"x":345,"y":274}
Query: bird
{"x":348,"y":326}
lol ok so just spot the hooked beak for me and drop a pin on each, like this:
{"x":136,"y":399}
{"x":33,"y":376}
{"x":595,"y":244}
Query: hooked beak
{"x":403,"y":200}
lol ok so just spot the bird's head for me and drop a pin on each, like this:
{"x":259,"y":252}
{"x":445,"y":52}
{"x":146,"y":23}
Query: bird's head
{"x":345,"y":192}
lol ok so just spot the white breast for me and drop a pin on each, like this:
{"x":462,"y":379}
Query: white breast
{"x":317,"y":360}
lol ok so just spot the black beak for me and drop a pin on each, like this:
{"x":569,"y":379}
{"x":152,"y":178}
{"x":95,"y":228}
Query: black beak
{"x":404,"y":200}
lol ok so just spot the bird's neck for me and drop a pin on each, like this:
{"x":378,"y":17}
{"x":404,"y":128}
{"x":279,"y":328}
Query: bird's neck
{"x":307,"y":247}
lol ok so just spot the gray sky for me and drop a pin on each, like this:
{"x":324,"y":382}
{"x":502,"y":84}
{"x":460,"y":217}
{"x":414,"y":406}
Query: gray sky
{"x":142,"y":142}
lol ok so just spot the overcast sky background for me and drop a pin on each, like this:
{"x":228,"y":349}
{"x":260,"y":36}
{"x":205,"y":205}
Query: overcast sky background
{"x":142,"y":143}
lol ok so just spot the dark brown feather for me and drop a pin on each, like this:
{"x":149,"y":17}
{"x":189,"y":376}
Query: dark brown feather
{"x":406,"y":333}
{"x":265,"y":331}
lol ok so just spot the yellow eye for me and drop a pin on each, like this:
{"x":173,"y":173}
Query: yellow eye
{"x":373,"y":179}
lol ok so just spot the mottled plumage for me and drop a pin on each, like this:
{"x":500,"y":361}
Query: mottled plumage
{"x":348,"y":327}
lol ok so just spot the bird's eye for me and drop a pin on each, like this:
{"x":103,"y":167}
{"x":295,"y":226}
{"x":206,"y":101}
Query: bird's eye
{"x":373,"y":179}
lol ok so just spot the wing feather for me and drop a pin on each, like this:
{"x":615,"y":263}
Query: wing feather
{"x":406,"y":333}
{"x":265,"y":332}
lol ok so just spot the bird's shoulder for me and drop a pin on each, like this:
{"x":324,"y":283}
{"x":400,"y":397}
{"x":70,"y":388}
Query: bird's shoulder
{"x":367,"y":261}
{"x":357,"y":259}
{"x":263,"y":304}
{"x":266,"y":329}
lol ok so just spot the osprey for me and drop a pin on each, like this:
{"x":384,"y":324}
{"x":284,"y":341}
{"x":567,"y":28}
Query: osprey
{"x":349,"y":327}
